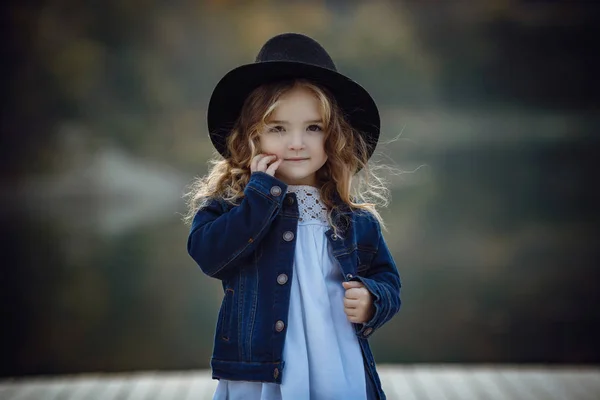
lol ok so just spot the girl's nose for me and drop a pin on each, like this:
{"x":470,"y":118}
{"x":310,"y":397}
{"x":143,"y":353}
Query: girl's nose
{"x":296,"y":141}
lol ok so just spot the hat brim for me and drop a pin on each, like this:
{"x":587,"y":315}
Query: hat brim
{"x":229,"y":95}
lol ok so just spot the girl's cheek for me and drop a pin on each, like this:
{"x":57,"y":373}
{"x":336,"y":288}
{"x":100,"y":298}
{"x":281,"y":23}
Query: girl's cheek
{"x":265,"y":148}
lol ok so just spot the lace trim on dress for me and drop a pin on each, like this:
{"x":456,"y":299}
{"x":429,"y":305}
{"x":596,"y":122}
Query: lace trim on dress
{"x":310,"y":206}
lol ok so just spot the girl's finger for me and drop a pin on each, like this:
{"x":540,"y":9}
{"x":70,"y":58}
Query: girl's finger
{"x":354,"y":293}
{"x":350,"y":303}
{"x":273,"y":167}
{"x":355,"y":319}
{"x":255,"y":160}
{"x":352,"y":284}
{"x":262,"y":164}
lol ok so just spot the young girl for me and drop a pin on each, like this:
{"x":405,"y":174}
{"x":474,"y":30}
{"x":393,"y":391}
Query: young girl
{"x":306,"y":274}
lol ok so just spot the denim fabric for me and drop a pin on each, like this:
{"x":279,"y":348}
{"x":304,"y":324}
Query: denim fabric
{"x":248,"y":246}
{"x":372,"y":392}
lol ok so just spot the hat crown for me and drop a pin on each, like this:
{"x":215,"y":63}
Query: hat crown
{"x":295,"y":47}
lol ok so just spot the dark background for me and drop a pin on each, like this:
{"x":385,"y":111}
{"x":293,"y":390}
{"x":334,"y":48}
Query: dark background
{"x":491,"y":109}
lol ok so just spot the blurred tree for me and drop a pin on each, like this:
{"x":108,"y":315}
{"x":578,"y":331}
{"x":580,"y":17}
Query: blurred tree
{"x":140,"y":73}
{"x":513,"y":52}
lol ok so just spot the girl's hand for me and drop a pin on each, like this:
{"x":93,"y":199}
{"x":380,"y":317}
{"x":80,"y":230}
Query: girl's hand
{"x":358,"y":302}
{"x":261,"y":163}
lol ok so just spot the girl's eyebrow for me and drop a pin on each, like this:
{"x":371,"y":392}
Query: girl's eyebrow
{"x":315,"y":121}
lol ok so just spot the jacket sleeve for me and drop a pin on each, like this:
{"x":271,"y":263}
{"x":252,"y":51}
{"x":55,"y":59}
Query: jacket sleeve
{"x":218,"y":239}
{"x":383,"y":281}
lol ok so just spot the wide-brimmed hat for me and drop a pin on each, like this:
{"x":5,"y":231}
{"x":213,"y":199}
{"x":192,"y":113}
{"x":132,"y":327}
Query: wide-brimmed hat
{"x":285,"y":57}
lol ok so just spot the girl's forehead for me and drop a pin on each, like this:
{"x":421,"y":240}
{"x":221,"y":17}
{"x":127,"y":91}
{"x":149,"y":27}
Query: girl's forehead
{"x":297,"y":103}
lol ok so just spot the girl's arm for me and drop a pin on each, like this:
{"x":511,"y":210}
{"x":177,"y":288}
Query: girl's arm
{"x":383,"y":281}
{"x":219,"y":239}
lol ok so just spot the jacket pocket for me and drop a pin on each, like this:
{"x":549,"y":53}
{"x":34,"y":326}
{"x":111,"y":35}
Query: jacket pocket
{"x":364,"y":259}
{"x":224,"y":324}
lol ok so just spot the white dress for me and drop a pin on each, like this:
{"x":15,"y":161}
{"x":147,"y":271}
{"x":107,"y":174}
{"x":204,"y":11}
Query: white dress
{"x":322,"y":355}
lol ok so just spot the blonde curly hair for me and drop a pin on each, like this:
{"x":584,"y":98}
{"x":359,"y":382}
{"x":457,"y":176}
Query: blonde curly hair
{"x":339,"y":183}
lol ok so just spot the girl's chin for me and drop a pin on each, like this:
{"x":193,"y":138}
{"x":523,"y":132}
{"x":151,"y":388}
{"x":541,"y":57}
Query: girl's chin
{"x":296,"y":180}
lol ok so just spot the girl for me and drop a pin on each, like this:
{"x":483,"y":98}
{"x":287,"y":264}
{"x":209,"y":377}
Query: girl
{"x":306,"y":274}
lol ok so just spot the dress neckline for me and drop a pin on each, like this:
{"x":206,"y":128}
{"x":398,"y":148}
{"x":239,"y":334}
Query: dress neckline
{"x":310,"y":206}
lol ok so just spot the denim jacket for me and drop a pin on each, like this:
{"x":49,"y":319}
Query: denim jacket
{"x":250,"y":248}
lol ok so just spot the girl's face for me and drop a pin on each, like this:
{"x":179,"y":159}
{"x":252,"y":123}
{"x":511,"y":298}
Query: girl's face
{"x":294,"y":133}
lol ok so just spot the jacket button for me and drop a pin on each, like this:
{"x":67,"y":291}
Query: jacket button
{"x":368,"y":331}
{"x":282,"y":279}
{"x":334,"y":237}
{"x":289,"y":200}
{"x":279,"y":325}
{"x":275,"y":191}
{"x":288,"y":236}
{"x":275,"y":373}
{"x":349,"y":276}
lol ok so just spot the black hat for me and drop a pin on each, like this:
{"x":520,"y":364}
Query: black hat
{"x":290,"y":56}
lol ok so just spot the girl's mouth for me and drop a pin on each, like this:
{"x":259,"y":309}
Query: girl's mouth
{"x":296,"y":159}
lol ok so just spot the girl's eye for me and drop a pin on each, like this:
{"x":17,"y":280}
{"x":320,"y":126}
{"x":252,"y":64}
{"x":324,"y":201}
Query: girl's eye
{"x":315,"y":128}
{"x":276,"y":129}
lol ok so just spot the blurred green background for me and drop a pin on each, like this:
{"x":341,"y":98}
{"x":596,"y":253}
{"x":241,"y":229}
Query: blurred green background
{"x":494,"y":109}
